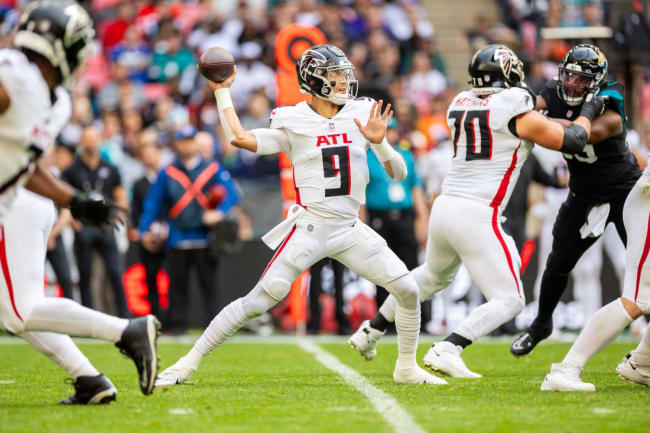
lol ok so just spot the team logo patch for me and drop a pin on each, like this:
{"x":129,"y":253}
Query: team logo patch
{"x":506,"y":58}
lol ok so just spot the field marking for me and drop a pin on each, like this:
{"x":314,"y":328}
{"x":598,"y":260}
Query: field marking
{"x":384,"y":404}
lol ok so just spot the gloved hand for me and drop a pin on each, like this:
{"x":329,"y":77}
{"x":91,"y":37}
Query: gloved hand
{"x":93,"y":208}
{"x":594,"y":105}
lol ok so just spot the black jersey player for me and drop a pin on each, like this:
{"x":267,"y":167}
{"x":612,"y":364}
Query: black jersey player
{"x":600,"y":178}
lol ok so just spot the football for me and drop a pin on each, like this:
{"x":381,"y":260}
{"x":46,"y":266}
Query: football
{"x":216,"y":64}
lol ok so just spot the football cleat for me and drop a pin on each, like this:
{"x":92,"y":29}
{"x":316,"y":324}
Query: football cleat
{"x":91,"y":390}
{"x":630,"y":369}
{"x":526,"y":342}
{"x":365,"y":340}
{"x":416,"y":375}
{"x":176,"y":374}
{"x":565,"y":378}
{"x":139,"y":342}
{"x":445,"y":358}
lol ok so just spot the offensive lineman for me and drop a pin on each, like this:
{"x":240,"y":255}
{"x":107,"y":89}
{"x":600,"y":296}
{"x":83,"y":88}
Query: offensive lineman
{"x":327,"y":145}
{"x":53,"y":38}
{"x":610,"y":320}
{"x":494,"y":126}
{"x":600,"y":179}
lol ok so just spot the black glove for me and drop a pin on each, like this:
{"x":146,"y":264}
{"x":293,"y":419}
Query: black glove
{"x":93,"y":208}
{"x":594,"y":105}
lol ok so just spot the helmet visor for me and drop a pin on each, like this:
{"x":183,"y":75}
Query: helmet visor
{"x":575,"y":84}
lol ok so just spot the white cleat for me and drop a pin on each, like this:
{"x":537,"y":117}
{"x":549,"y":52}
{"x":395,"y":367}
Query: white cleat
{"x":177,"y":373}
{"x":634,"y":369}
{"x":445,"y":358}
{"x":565,"y":378}
{"x":365,"y":340}
{"x":416,"y":375}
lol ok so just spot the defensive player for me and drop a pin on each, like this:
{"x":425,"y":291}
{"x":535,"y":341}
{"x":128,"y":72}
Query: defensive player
{"x":610,"y":320}
{"x":494,"y":126}
{"x":53,"y":38}
{"x":327,"y":144}
{"x":601,"y":176}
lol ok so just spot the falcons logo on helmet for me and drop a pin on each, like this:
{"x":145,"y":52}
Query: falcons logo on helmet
{"x":505,"y":58}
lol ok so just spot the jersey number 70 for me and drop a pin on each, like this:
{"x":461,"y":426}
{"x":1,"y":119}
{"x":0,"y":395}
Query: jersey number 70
{"x":467,"y":119}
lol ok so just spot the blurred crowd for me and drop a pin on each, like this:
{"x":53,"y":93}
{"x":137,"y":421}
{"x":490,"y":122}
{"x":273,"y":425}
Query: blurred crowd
{"x":140,"y":92}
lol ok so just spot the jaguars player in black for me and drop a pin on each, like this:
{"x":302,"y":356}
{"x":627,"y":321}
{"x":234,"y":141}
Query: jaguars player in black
{"x":604,"y":172}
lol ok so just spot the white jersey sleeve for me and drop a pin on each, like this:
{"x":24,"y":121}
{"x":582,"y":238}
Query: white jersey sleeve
{"x":274,"y":139}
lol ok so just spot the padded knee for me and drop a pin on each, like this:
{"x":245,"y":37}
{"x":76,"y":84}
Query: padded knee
{"x":428,"y":283}
{"x":514,"y":304}
{"x":261,"y":299}
{"x":405,"y":291}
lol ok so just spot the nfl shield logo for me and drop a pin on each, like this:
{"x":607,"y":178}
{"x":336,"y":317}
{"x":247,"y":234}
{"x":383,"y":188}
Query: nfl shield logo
{"x":331,"y":125}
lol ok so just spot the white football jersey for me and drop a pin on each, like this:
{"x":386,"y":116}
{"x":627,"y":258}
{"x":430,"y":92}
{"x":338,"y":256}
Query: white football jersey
{"x":328,"y":155}
{"x":487,"y":155}
{"x":30,"y":124}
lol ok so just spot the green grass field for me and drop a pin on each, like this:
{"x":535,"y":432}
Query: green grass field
{"x":275,"y":386}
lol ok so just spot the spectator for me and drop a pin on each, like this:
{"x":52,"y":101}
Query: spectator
{"x":91,"y":173}
{"x":316,"y":288}
{"x":151,"y":249}
{"x":192,"y":194}
{"x":170,"y":59}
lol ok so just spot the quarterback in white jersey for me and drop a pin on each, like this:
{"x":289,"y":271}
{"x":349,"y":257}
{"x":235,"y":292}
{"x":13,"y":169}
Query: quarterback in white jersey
{"x":327,"y":144}
{"x":53,"y":38}
{"x":493,"y":126}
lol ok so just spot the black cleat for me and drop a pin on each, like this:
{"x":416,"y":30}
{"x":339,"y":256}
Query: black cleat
{"x":526,"y":342}
{"x":91,"y":390}
{"x":139,"y":342}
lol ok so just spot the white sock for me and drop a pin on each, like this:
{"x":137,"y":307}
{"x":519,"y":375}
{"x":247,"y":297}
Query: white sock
{"x":487,"y":317}
{"x":407,"y":323}
{"x":226,"y":323}
{"x":60,"y":349}
{"x":65,"y":316}
{"x":599,"y":331}
{"x":644,"y":345}
{"x":387,"y":309}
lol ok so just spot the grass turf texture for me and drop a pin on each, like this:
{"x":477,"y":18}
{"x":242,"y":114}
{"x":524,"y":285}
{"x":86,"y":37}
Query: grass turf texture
{"x":248,"y":387}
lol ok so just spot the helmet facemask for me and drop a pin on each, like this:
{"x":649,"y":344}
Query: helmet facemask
{"x":338,"y":83}
{"x":575,"y":84}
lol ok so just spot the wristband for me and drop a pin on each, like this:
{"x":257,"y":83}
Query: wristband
{"x":223,"y":98}
{"x":383,"y":150}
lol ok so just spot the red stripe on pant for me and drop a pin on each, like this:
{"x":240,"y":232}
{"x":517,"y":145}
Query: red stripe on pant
{"x":495,"y":226}
{"x":275,"y":256}
{"x":5,"y":270}
{"x":644,"y":256}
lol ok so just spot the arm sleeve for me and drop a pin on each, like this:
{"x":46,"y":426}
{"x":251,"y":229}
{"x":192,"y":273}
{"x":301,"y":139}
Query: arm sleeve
{"x":153,"y":202}
{"x":272,"y":141}
{"x":224,"y":178}
{"x":398,"y":165}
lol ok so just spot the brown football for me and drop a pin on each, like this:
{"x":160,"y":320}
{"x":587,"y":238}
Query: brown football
{"x":216,"y":64}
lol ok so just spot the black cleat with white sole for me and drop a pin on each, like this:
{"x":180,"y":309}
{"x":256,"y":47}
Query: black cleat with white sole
{"x":139,"y":342}
{"x":526,"y":342}
{"x":91,"y":390}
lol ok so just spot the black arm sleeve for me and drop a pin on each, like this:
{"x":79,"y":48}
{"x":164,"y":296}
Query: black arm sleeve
{"x":575,"y":139}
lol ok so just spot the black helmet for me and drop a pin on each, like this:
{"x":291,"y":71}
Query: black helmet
{"x":313,"y":68}
{"x":59,"y":30}
{"x":494,"y":68}
{"x":584,"y":67}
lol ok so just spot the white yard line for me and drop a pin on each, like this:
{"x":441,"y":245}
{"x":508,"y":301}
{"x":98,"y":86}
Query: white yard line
{"x":384,"y":404}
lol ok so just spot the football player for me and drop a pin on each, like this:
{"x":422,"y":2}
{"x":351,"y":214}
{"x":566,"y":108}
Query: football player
{"x":327,"y":144}
{"x":53,"y":38}
{"x":610,"y":320}
{"x":601,"y":176}
{"x":494,"y":126}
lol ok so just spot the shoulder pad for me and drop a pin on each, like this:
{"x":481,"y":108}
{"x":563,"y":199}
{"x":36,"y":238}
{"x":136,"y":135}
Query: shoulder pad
{"x":516,"y":100}
{"x":278,"y":115}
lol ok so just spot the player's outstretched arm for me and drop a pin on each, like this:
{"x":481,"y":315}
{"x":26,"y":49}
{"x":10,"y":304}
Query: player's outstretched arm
{"x":44,"y":183}
{"x":608,"y":124}
{"x":547,"y":133}
{"x":375,"y":132}
{"x":235,"y":133}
